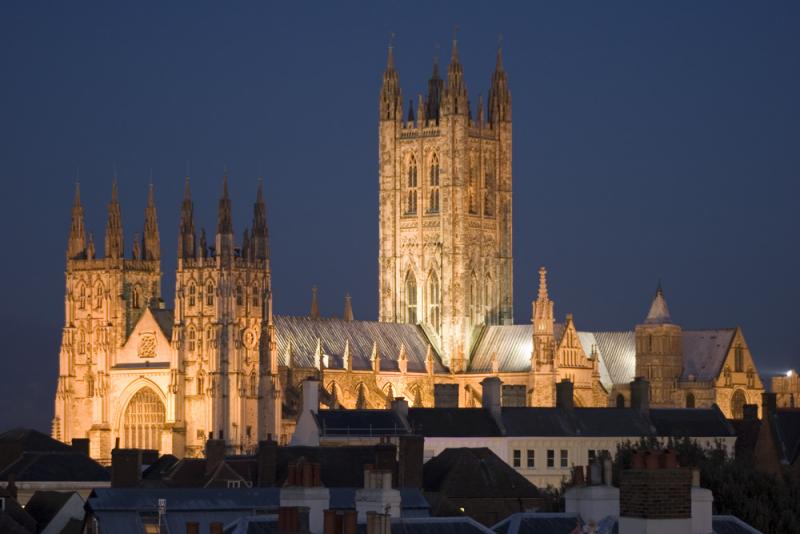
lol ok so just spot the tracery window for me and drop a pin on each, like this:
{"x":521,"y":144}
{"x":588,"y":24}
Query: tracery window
{"x":200,"y":383}
{"x":253,"y":384}
{"x":210,"y":294}
{"x":411,"y":187}
{"x":143,"y":421}
{"x":474,"y":298}
{"x":473,"y":186}
{"x":210,"y":338}
{"x":191,"y":338}
{"x":81,"y":342}
{"x":81,"y":297}
{"x":255,"y":296}
{"x":738,"y":357}
{"x":98,"y":296}
{"x":239,"y":295}
{"x":737,"y":404}
{"x":433,"y":178}
{"x":192,"y":295}
{"x":434,"y":299}
{"x":411,"y":298}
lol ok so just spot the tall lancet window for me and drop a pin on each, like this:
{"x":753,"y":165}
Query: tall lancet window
{"x":489,"y":187}
{"x":473,"y":186}
{"x":81,"y":297}
{"x":192,"y":295}
{"x":210,"y":294}
{"x":434,"y":298}
{"x":411,"y":187}
{"x":488,"y":300}
{"x":433,"y":178}
{"x":411,"y":298}
{"x":474,"y":298}
{"x":98,"y":296}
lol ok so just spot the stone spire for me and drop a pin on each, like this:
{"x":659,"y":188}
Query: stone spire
{"x":186,"y":235}
{"x":151,"y":243}
{"x":499,"y":94}
{"x":314,"y":313}
{"x":113,"y":245}
{"x":391,"y":107}
{"x":260,"y":234}
{"x":435,"y":90}
{"x":348,"y":308}
{"x":224,"y":241}
{"x":455,"y":94}
{"x":659,"y":312}
{"x":76,"y":245}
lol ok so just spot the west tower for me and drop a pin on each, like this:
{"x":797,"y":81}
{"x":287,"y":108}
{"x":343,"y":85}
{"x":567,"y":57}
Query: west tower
{"x":445,"y":259}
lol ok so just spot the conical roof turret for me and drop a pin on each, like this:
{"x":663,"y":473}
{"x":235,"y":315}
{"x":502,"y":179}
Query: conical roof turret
{"x":659,"y":312}
{"x":76,"y":245}
{"x":260,"y":234}
{"x":151,"y":241}
{"x":114,"y":243}
{"x":224,"y":217}
{"x":391,"y":107}
{"x":455,"y":93}
{"x":499,"y":94}
{"x":186,"y":234}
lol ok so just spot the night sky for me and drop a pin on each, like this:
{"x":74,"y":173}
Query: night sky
{"x":650,"y":141}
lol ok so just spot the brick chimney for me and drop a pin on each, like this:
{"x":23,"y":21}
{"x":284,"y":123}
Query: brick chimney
{"x":657,"y":497}
{"x":303,"y":487}
{"x":126,"y":468}
{"x":340,"y":522}
{"x":769,"y":404}
{"x":81,"y":445}
{"x":640,"y":395}
{"x":491,"y":396}
{"x":215,"y":454}
{"x":750,"y":412}
{"x":564,"y":395}
{"x":378,"y":523}
{"x":377,"y":495}
{"x":293,"y":520}
{"x":311,"y":395}
{"x":400,"y":407}
{"x":267,"y":459}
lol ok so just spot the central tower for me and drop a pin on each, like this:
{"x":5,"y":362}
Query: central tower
{"x":445,"y":259}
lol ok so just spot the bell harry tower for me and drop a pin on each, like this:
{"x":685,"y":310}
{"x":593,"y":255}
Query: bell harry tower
{"x":445,"y":258}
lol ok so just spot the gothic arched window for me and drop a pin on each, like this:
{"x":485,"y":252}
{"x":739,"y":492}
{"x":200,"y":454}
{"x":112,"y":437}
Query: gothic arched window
{"x":81,"y":342}
{"x":143,"y":421}
{"x":489,"y":188}
{"x":473,"y":186}
{"x":191,"y":338}
{"x":210,"y":338}
{"x":200,"y":382}
{"x":434,"y":299}
{"x":81,"y":297}
{"x":255,"y":296}
{"x":210,"y":294}
{"x":98,"y":295}
{"x":411,"y":298}
{"x":192,"y":294}
{"x":488,"y":300}
{"x":690,"y":400}
{"x":239,"y":295}
{"x":737,"y":404}
{"x":253,"y":384}
{"x":411,"y":187}
{"x":738,"y":357}
{"x":433,"y":178}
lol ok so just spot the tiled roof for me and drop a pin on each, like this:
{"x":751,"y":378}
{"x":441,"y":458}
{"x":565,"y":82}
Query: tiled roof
{"x":304,"y":332}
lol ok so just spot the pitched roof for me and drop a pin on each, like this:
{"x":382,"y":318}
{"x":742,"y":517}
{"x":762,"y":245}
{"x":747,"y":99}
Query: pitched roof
{"x":44,"y":505}
{"x":694,"y":422}
{"x":32,"y":440}
{"x":475,"y":473}
{"x":56,"y":466}
{"x":512,"y":345}
{"x":437,"y":525}
{"x":787,"y":429}
{"x":531,"y":421}
{"x":303,"y":333}
{"x":538,"y":523}
{"x":452,"y":422}
{"x":165,"y":318}
{"x":704,"y":353}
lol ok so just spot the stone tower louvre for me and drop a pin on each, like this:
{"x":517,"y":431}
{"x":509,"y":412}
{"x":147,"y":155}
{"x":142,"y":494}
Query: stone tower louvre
{"x":103,"y":300}
{"x":659,"y":352}
{"x":445,"y":258}
{"x":222,"y":328}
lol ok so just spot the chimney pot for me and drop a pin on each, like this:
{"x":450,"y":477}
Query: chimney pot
{"x":565,"y":395}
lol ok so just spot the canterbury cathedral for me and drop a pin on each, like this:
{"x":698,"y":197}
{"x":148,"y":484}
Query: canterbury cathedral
{"x":134,"y":372}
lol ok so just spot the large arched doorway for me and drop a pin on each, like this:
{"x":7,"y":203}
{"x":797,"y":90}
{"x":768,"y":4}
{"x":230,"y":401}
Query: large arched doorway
{"x":143,"y":421}
{"x":737,"y":404}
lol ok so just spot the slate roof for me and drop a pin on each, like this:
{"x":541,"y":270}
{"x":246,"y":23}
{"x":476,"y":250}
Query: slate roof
{"x":303,"y":333}
{"x":538,"y":523}
{"x":695,"y":422}
{"x":452,"y":422}
{"x":165,"y":319}
{"x":728,"y":524}
{"x":56,"y":466}
{"x":360,"y":422}
{"x":436,"y":525}
{"x":44,"y":505}
{"x":474,"y":473}
{"x":32,"y":440}
{"x":704,"y":353}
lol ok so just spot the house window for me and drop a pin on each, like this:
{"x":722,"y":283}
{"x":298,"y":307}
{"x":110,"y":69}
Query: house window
{"x":530,"y":458}
{"x":234,"y":484}
{"x":517,"y":458}
{"x":551,"y":458}
{"x":215,"y":528}
{"x":445,"y":395}
{"x":513,"y":395}
{"x":192,"y":528}
{"x":564,"y":458}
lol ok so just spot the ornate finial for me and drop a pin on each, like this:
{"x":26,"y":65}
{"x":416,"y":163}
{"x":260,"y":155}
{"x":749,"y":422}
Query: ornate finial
{"x":659,"y":289}
{"x":77,"y":201}
{"x":390,"y":54}
{"x":314,"y":314}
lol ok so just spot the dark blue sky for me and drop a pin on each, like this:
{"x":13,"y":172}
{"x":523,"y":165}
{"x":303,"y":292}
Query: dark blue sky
{"x":650,"y":140}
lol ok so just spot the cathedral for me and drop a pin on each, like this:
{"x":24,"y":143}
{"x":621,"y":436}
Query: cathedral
{"x":219,"y":363}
